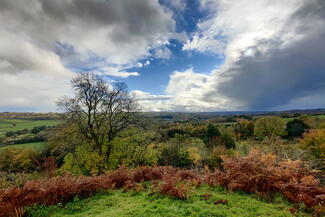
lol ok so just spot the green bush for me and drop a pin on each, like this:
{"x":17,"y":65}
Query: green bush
{"x":8,"y":180}
{"x":83,"y":162}
{"x":174,"y":154}
{"x":134,"y":147}
{"x":19,"y":159}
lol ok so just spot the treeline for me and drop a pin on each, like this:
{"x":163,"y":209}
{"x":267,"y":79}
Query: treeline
{"x":30,"y":116}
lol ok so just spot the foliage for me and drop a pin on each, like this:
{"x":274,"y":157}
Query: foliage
{"x":269,"y":126}
{"x":16,"y":179}
{"x":215,"y":159}
{"x":18,"y":159}
{"x":314,"y":142}
{"x":83,"y":162}
{"x":100,"y":111}
{"x":63,"y":139}
{"x":194,"y":155}
{"x":263,"y":174}
{"x":173,"y":154}
{"x":296,"y":128}
{"x":64,"y":188}
{"x":212,"y":135}
{"x":257,"y":173}
{"x":244,"y":129}
{"x":183,"y":152}
{"x":134,"y":147}
{"x":227,"y":139}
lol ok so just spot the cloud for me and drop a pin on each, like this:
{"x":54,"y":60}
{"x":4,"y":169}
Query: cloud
{"x":42,"y":42}
{"x":121,"y":31}
{"x":185,"y":92}
{"x":178,"y":4}
{"x":151,"y":102}
{"x":274,"y":56}
{"x":204,"y":44}
{"x":115,"y":71}
{"x":162,"y":53}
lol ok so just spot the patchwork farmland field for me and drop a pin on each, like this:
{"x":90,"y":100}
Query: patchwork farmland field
{"x":17,"y":124}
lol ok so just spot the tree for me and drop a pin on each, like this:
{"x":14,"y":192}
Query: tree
{"x":269,"y":126}
{"x":212,"y":135}
{"x":244,"y":129}
{"x":100,"y":111}
{"x":296,"y":128}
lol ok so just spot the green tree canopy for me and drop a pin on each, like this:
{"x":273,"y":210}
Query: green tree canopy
{"x":296,"y":128}
{"x":269,"y":126}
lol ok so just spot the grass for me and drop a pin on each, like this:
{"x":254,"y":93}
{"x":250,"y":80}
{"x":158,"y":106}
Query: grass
{"x":117,"y":203}
{"x":33,"y":145}
{"x":320,"y":116}
{"x":17,"y":124}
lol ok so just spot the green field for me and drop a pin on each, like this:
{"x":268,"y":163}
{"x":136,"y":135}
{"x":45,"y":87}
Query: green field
{"x":33,"y":145}
{"x":17,"y":124}
{"x":320,"y":116}
{"x":117,"y":203}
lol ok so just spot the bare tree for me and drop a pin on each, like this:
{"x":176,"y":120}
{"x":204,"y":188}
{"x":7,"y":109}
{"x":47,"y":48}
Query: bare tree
{"x":100,"y":111}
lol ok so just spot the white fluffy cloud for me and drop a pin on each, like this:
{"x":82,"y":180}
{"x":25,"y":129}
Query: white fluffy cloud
{"x":273,"y":53}
{"x":185,"y":92}
{"x":42,"y":41}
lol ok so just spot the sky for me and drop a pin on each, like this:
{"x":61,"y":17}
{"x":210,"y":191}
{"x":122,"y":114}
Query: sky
{"x":174,"y":55}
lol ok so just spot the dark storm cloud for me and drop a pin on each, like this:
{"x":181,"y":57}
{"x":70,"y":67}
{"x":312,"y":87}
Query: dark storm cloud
{"x":135,"y":18}
{"x":274,"y":73}
{"x":120,"y":27}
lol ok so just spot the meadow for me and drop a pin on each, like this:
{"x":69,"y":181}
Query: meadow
{"x":146,"y":203}
{"x":19,"y":124}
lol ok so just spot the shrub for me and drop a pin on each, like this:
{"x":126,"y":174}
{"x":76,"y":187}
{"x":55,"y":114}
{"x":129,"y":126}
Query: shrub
{"x":18,"y":159}
{"x":8,"y":180}
{"x":84,"y":161}
{"x":175,"y":155}
{"x":64,"y":188}
{"x":314,"y":142}
{"x":262,"y":174}
{"x":134,"y":147}
{"x":172,"y":186}
{"x":215,"y":159}
{"x":227,"y":140}
{"x":257,"y":173}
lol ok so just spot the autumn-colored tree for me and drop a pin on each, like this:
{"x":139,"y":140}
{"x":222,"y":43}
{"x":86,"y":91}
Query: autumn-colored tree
{"x":244,"y":129}
{"x":314,"y":142}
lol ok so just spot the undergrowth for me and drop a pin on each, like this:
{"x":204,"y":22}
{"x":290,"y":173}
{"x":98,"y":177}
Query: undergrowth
{"x":258,"y":173}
